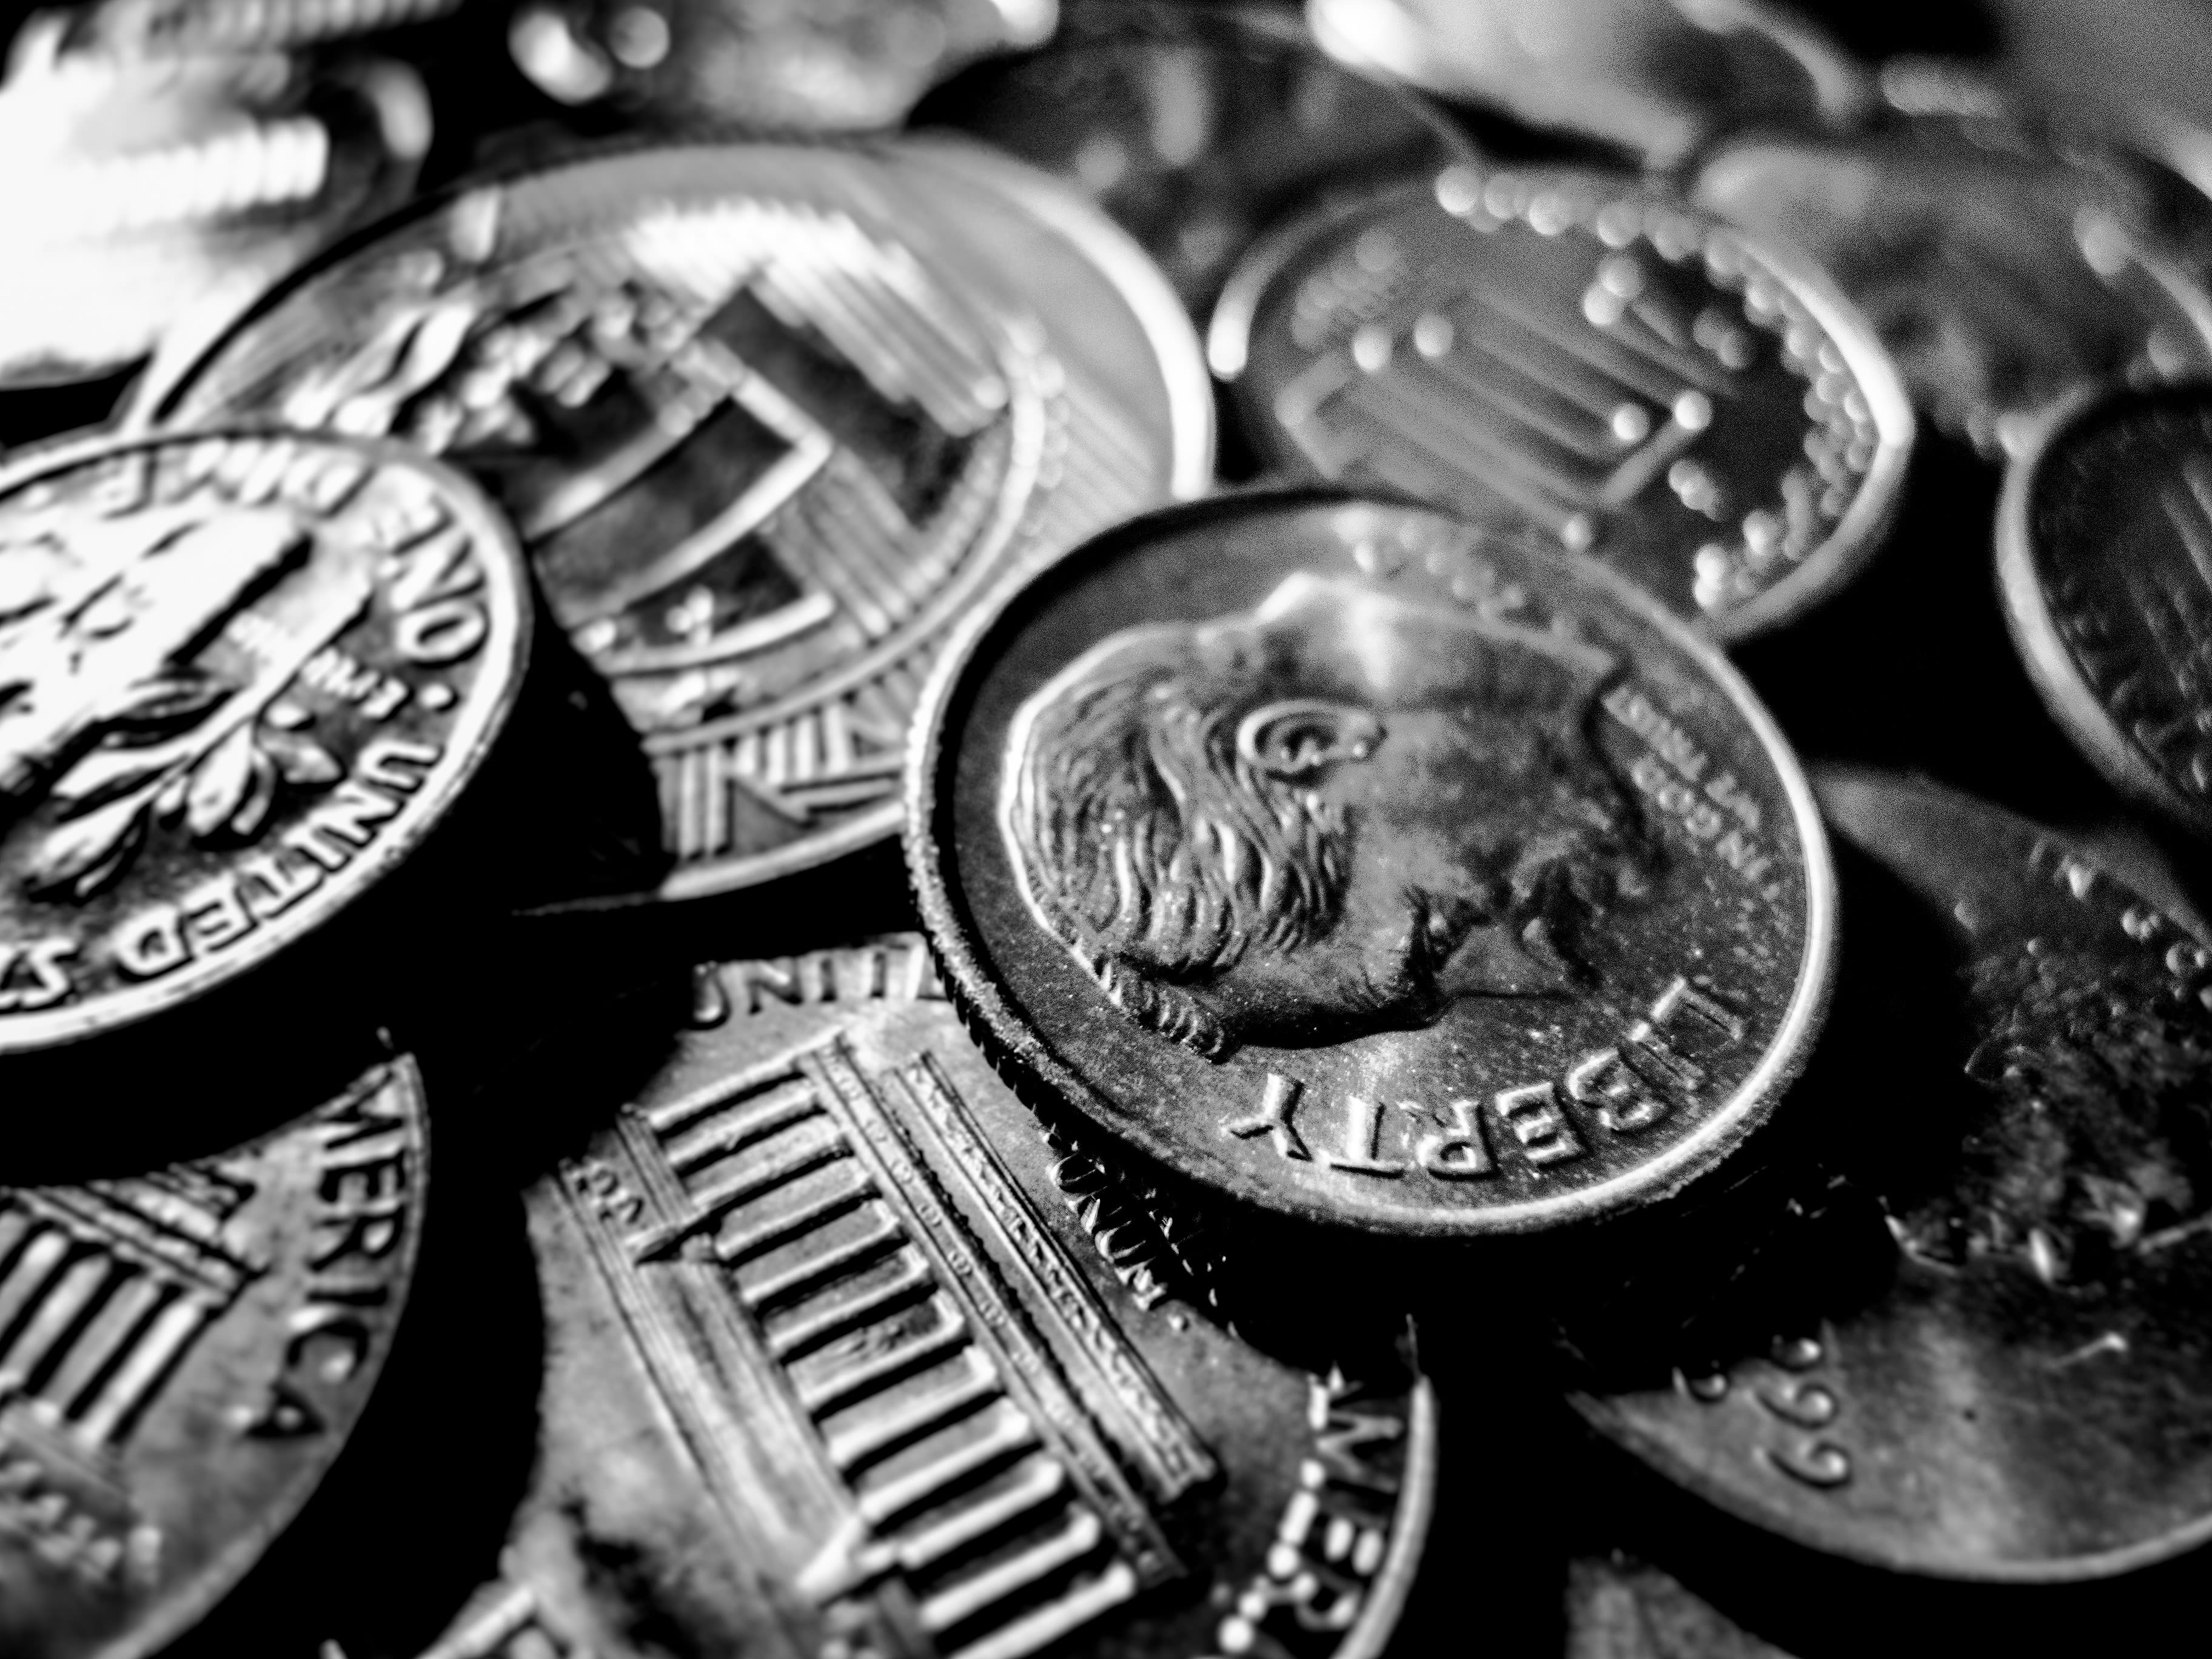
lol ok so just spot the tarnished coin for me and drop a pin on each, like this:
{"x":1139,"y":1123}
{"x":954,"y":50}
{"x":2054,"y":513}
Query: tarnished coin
{"x":1195,"y":127}
{"x":847,"y":1355}
{"x":1654,"y":76}
{"x":1981,"y":1353}
{"x":1566,"y":350}
{"x":242,"y":676}
{"x":2004,"y":264}
{"x":828,"y":66}
{"x":2105,"y":552}
{"x":769,"y":418}
{"x":183,"y":1355}
{"x":1372,"y":866}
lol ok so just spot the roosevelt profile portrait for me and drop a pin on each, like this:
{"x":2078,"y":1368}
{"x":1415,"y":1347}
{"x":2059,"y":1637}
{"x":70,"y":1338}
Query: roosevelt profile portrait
{"x":1337,"y":813}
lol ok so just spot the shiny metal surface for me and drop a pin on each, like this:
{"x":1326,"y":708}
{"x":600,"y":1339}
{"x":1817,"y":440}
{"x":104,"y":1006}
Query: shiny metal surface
{"x":1371,"y":867}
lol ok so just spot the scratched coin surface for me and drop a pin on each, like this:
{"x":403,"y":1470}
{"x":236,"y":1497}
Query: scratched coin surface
{"x":2105,"y":552}
{"x":2004,"y":264}
{"x":1195,"y":127}
{"x":768,"y":419}
{"x":1372,"y":866}
{"x":847,"y":1355}
{"x":1564,"y":350}
{"x":183,"y":1355}
{"x":1980,"y":1352}
{"x":241,"y":677}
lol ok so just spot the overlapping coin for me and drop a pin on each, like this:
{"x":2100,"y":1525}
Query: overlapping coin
{"x":769,"y":419}
{"x":847,"y":1355}
{"x":1569,"y":351}
{"x":2105,"y":552}
{"x":2005,"y":263}
{"x":243,"y":677}
{"x":1372,"y":866}
{"x":183,"y":1355}
{"x":1980,"y":1354}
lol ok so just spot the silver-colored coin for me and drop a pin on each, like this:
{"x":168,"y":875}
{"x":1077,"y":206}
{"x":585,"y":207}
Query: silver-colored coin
{"x":2105,"y":554}
{"x":2005,"y":263}
{"x":1371,"y":867}
{"x":1619,"y":1607}
{"x":1569,"y":351}
{"x":185,"y":1353}
{"x":769,"y":420}
{"x":1980,"y":1353}
{"x":848,"y":1356}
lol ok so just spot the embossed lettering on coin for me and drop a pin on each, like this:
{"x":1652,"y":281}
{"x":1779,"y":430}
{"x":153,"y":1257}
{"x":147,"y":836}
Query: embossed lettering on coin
{"x":183,"y":1356}
{"x":1374,"y":866}
{"x":768,"y":419}
{"x":240,"y":677}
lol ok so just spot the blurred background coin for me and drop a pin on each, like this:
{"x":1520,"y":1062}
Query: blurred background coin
{"x":1979,"y":1354}
{"x":846,"y":1354}
{"x":2104,"y":551}
{"x":1566,"y":351}
{"x":1655,"y":77}
{"x":2006,"y":262}
{"x":763,"y":65}
{"x":185,"y":1353}
{"x":769,"y":419}
{"x":147,"y":184}
{"x":1372,"y":867}
{"x":1194,"y":127}
{"x":1621,"y":1608}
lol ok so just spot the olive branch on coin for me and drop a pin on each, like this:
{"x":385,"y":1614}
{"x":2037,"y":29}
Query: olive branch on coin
{"x":103,"y":710}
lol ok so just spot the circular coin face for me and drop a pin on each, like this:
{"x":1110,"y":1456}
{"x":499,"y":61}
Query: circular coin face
{"x":769,"y":418}
{"x":1561,"y":350}
{"x":186,"y":1352}
{"x":840,"y":1345}
{"x":2002,"y":266}
{"x":1372,"y":866}
{"x":2105,"y":552}
{"x":1980,"y":1352}
{"x":244,"y":675}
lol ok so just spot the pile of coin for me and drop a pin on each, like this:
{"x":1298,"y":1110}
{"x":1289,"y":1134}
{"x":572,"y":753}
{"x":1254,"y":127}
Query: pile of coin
{"x":1167,"y":819}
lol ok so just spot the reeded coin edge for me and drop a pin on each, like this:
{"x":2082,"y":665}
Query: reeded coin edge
{"x":476,"y":730}
{"x":1040,"y":1078}
{"x":2050,"y":662}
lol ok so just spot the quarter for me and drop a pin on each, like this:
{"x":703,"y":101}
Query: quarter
{"x":1372,"y":866}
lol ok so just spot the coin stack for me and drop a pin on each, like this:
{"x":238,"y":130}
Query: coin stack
{"x":1180,"y":818}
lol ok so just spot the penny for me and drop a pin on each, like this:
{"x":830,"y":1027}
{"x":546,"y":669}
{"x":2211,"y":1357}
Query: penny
{"x":847,"y":1354}
{"x":1654,"y":77}
{"x":1979,"y":1354}
{"x":242,"y":678}
{"x":184,"y":1355}
{"x":2005,"y":263}
{"x":1195,"y":128}
{"x":769,"y":418}
{"x":2105,"y":555}
{"x":1372,"y":866}
{"x":1568,"y":351}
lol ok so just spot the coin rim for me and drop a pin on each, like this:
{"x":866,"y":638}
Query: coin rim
{"x":1036,"y":1073}
{"x":2044,"y":652}
{"x":477,"y":732}
{"x":1856,"y":538}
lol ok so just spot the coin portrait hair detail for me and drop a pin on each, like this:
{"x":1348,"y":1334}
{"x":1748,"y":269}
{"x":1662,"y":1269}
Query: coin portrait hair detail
{"x":1339,"y":812}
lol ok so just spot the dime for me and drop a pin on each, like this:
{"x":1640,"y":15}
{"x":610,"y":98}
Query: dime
{"x":184,"y":1355}
{"x":2105,"y":554}
{"x":242,"y":677}
{"x":1654,"y":77}
{"x":846,"y":1354}
{"x":1372,"y":866}
{"x":1195,"y":128}
{"x":1566,"y":350}
{"x":769,"y":418}
{"x":2004,"y":264}
{"x":1980,"y":1355}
